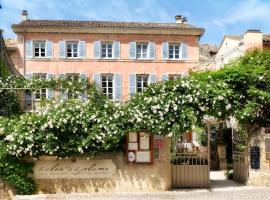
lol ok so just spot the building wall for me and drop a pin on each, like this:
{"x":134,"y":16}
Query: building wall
{"x":124,"y":65}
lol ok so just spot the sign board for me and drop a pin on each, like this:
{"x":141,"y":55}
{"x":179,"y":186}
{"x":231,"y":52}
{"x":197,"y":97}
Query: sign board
{"x":68,"y":169}
{"x":255,"y":157}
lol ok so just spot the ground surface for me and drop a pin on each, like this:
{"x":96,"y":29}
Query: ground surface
{"x":221,"y":189}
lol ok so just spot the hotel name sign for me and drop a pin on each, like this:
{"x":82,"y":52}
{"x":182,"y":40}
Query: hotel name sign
{"x":79,"y":169}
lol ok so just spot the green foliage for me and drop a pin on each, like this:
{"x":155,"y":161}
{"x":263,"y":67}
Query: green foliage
{"x":15,"y":172}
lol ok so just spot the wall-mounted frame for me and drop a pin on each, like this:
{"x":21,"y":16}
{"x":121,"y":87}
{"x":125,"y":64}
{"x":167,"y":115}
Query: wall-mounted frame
{"x":139,"y":147}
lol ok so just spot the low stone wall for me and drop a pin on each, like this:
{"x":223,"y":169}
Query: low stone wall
{"x":260,"y":177}
{"x":128,"y":177}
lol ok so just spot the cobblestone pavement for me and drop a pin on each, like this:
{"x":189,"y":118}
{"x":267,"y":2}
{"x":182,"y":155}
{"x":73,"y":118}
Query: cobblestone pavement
{"x":245,"y":193}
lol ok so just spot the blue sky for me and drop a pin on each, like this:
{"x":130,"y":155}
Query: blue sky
{"x":218,"y":17}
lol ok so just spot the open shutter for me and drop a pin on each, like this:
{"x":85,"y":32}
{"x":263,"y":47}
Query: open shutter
{"x":50,"y":92}
{"x":132,"y":50}
{"x":49,"y":49}
{"x":62,"y":92}
{"x":29,"y":49}
{"x":62,"y":49}
{"x":118,"y":87}
{"x":165,"y":77}
{"x":116,"y":49}
{"x":152,"y":78}
{"x":83,"y":77}
{"x":165,"y":50}
{"x":132,"y":85}
{"x":184,"y":51}
{"x":152,"y":49}
{"x":82,"y":49}
{"x":96,"y":78}
{"x":28,"y":94}
{"x":97,"y":49}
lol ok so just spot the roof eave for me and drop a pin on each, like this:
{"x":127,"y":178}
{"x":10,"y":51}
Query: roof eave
{"x":187,"y":31}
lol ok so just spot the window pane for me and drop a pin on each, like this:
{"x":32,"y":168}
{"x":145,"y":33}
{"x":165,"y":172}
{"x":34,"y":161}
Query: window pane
{"x":110,"y":84}
{"x":110,"y":78}
{"x":176,"y":56}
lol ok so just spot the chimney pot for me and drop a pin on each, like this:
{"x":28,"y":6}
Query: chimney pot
{"x":180,"y":19}
{"x":24,"y":15}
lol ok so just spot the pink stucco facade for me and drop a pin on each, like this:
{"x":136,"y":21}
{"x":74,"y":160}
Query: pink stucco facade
{"x":90,"y":65}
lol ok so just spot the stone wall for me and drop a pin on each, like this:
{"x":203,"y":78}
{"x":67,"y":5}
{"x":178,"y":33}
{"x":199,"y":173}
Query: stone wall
{"x":260,"y":177}
{"x":128,"y":177}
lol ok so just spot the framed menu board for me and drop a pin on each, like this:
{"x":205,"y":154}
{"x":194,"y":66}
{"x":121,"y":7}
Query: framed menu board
{"x":139,"y":147}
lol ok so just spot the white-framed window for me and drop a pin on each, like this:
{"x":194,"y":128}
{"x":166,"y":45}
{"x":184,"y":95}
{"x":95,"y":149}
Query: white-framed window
{"x":141,"y":49}
{"x":174,"y":76}
{"x":41,"y":93}
{"x":72,"y":49}
{"x":174,"y":51}
{"x":39,"y":49}
{"x":107,"y":85}
{"x":142,"y":82}
{"x":72,"y":77}
{"x":106,"y":50}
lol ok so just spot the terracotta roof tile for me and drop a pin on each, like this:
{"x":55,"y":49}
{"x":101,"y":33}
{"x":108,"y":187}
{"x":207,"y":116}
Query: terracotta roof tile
{"x":266,"y":37}
{"x":100,"y":24}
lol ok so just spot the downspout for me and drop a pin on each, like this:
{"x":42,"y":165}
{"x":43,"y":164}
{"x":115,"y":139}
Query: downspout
{"x":24,"y":61}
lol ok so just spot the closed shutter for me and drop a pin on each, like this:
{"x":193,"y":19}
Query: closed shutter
{"x":62,"y":49}
{"x":152,"y":78}
{"x":118,"y":87}
{"x":165,"y":50}
{"x":50,"y":92}
{"x":152,"y":49}
{"x":29,"y":48}
{"x":49,"y":49}
{"x":116,"y":49}
{"x":97,"y":49}
{"x":165,"y":77}
{"x":96,"y":78}
{"x":184,"y":50}
{"x":132,"y":85}
{"x":28,"y":94}
{"x":82,"y":49}
{"x":132,"y":50}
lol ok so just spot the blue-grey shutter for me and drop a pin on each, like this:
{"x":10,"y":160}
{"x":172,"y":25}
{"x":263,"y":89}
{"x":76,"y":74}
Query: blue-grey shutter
{"x":152,"y":78}
{"x":49,"y":49}
{"x":118,"y":87}
{"x":132,"y":50}
{"x":165,"y":77}
{"x":82,"y":49}
{"x":83,"y":96}
{"x":62,"y":93}
{"x":62,"y":49}
{"x":97,"y":81}
{"x":50,"y":91}
{"x":116,"y":49}
{"x":29,"y":49}
{"x":165,"y":50}
{"x":152,"y":49}
{"x":28,"y":96}
{"x":184,"y":50}
{"x":132,"y":85}
{"x":97,"y":49}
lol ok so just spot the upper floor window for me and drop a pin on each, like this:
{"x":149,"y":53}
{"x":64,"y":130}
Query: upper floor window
{"x":174,"y":51}
{"x":40,"y":93}
{"x":39,"y":49}
{"x":142,"y":82}
{"x":107,"y":85}
{"x":141,"y":50}
{"x":106,"y":50}
{"x":72,"y":49}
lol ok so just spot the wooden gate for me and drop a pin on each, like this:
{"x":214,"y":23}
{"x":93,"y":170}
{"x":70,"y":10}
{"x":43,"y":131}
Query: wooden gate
{"x":240,"y":167}
{"x":190,"y":170}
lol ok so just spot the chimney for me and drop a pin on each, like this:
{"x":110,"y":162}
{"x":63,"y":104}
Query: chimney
{"x":24,"y":15}
{"x":180,"y":19}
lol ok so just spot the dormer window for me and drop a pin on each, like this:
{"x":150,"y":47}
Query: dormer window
{"x":72,"y":50}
